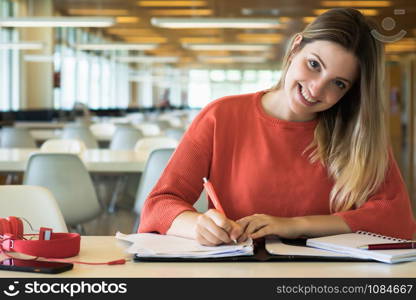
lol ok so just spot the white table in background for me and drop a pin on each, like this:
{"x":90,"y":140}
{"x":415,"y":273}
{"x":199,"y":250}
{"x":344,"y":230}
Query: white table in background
{"x":41,"y":135}
{"x":95,"y":160}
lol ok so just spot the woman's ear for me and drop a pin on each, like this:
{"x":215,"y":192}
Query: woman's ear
{"x":295,"y":44}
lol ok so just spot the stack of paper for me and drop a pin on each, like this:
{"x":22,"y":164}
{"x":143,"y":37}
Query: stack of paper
{"x":157,"y":245}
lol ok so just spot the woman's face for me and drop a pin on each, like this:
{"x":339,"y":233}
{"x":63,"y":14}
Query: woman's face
{"x":318,"y":76}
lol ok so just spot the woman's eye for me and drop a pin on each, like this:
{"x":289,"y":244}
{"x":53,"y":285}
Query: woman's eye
{"x":340,"y":84}
{"x":313,"y":64}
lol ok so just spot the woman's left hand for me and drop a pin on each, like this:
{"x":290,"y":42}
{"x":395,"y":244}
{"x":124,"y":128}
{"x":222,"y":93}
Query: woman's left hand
{"x":260,"y":225}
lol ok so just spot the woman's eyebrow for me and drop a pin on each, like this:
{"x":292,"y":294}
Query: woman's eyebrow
{"x":323,"y":65}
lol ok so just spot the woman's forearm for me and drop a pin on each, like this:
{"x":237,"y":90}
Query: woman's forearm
{"x":313,"y":226}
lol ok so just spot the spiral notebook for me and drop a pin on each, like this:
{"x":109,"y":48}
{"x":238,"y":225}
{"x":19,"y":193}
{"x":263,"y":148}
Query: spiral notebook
{"x":165,"y":248}
{"x":349,"y":243}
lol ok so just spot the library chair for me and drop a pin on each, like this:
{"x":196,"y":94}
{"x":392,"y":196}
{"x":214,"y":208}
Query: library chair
{"x":34,"y":204}
{"x":69,"y":181}
{"x":125,"y":138}
{"x":103,"y":129}
{"x":174,"y":121}
{"x":148,"y":129}
{"x":152,"y":143}
{"x":12,"y":137}
{"x":155,"y":165}
{"x":175,"y":133}
{"x":73,"y":146}
{"x":163,"y":124}
{"x":82,"y":133}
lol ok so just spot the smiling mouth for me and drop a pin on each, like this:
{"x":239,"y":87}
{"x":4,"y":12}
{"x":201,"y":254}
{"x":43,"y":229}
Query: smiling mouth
{"x":305,"y":97}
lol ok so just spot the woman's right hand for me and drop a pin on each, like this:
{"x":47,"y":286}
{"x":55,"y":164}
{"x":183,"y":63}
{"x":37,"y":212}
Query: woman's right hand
{"x":213,"y":228}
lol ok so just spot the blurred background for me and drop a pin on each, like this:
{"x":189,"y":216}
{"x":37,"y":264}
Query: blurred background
{"x":62,"y":59}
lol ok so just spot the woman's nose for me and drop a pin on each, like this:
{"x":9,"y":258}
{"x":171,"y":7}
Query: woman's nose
{"x":316,"y":87}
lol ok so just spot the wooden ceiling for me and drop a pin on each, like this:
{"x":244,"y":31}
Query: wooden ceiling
{"x":134,"y":26}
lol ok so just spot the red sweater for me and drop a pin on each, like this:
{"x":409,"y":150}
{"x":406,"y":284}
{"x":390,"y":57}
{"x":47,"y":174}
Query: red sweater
{"x":256,"y":164}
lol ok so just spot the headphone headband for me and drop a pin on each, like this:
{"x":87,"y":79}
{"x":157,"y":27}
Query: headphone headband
{"x":60,"y":245}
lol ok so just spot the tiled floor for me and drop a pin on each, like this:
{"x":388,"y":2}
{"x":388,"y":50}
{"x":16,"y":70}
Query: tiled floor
{"x":109,"y":223}
{"x":121,"y":220}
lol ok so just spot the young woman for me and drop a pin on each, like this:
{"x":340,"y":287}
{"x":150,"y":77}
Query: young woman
{"x":309,"y":157}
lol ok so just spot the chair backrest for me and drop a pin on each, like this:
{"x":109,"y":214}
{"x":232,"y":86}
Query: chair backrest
{"x":82,"y":133}
{"x":103,"y":129}
{"x":63,"y":146}
{"x":12,"y":137}
{"x":69,"y":181}
{"x":148,"y":129}
{"x":152,"y":143}
{"x":155,"y":165}
{"x":125,"y":138}
{"x":35,"y":204}
{"x":175,"y":133}
{"x":163,"y":124}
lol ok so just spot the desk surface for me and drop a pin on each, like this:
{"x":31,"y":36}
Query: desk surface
{"x":42,"y":135}
{"x":96,"y":160}
{"x":105,"y":248}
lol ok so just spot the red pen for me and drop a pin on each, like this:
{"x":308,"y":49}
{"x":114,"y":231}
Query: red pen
{"x":390,"y":246}
{"x":214,"y":198}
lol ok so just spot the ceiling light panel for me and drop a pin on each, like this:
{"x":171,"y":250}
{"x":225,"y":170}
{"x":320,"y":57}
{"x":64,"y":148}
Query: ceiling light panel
{"x":118,"y":46}
{"x":21,"y":46}
{"x":57,"y":22}
{"x":245,"y":23}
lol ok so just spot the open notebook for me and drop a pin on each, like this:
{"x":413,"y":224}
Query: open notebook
{"x":156,"y":247}
{"x":349,"y":243}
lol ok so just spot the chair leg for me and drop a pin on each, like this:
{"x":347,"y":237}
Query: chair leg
{"x":118,"y":191}
{"x":80,"y":229}
{"x":99,"y":186}
{"x":9,"y":179}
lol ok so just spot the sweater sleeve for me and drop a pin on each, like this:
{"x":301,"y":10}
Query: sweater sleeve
{"x":180,"y":184}
{"x":388,"y":211}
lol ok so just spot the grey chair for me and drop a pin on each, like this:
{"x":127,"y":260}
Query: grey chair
{"x":12,"y":137}
{"x":125,"y":137}
{"x":67,"y":178}
{"x":175,"y":133}
{"x":83,"y":133}
{"x":155,"y":165}
{"x":35,"y":204}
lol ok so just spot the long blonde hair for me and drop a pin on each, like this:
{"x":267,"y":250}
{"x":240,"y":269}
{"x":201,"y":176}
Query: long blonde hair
{"x":350,"y":138}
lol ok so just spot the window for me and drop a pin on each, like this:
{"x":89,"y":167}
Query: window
{"x":9,"y":63}
{"x":207,"y":85}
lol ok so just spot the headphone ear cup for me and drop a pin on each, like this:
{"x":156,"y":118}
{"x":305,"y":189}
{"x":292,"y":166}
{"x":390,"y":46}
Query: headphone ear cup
{"x":16,"y":226}
{"x":5,"y":226}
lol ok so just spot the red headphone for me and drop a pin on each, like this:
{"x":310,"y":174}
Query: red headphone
{"x":49,"y":244}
